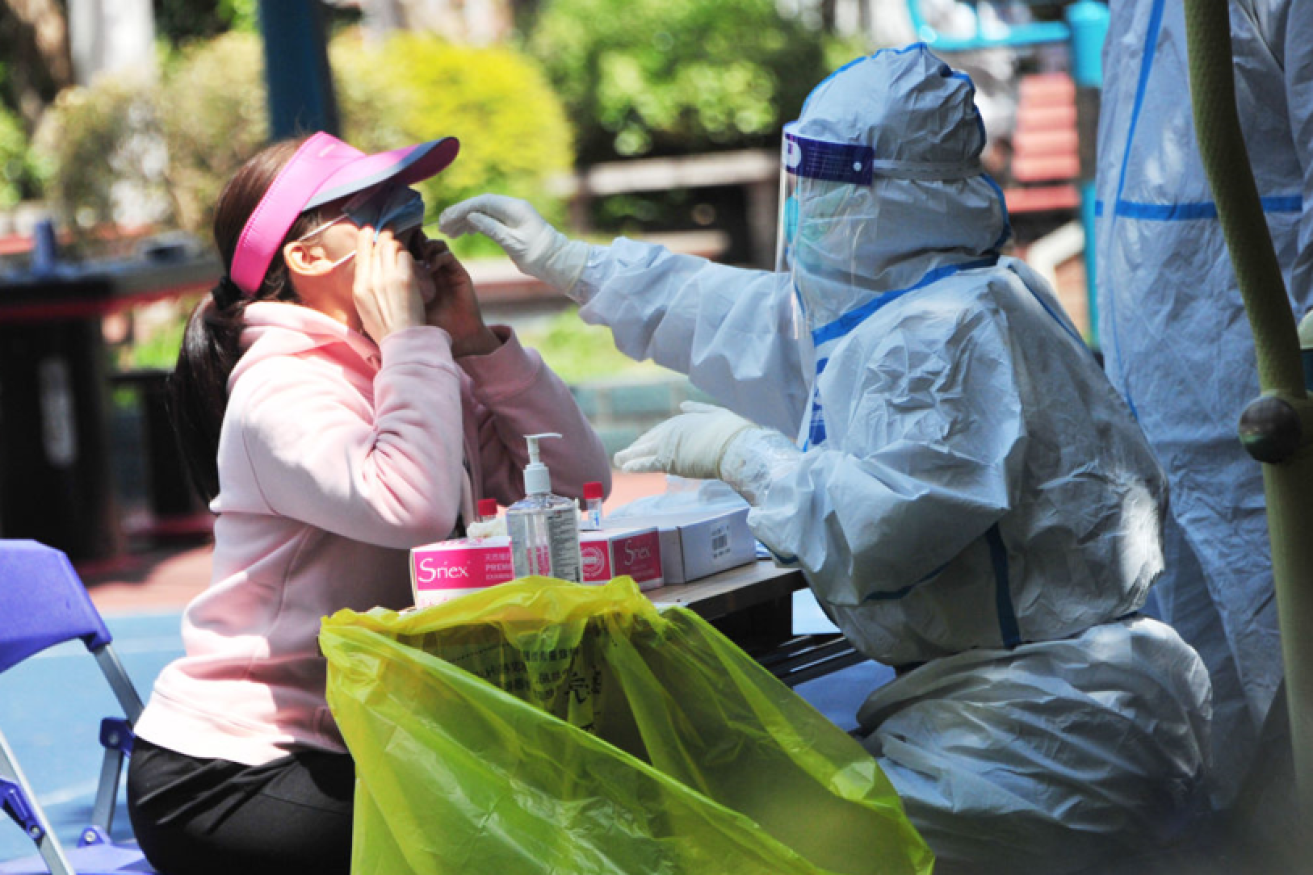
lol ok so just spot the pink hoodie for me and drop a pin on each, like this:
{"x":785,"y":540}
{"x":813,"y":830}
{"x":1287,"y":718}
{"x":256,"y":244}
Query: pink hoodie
{"x":331,"y":466}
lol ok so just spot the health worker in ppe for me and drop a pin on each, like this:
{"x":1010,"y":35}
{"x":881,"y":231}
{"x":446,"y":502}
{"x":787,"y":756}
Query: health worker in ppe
{"x":1175,"y":338}
{"x":967,"y":496}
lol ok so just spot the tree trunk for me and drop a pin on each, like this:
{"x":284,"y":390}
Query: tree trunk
{"x":34,"y":41}
{"x":828,"y":15}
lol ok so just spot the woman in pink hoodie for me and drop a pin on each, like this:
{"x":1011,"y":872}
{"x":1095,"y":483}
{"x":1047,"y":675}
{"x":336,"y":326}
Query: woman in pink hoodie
{"x":340,"y":400}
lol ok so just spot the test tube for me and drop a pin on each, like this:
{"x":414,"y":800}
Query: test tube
{"x":592,"y":519}
{"x":487,"y":510}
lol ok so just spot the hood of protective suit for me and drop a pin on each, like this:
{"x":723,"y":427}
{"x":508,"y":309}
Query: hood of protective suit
{"x":925,"y":204}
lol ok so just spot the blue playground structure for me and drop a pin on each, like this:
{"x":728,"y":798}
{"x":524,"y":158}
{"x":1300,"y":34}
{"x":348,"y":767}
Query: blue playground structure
{"x":1082,"y":30}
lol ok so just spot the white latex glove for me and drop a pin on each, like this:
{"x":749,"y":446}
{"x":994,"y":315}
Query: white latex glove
{"x":536,"y":247}
{"x":689,"y":445}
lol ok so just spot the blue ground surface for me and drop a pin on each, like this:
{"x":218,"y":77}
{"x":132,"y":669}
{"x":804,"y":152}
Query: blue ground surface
{"x":51,"y":707}
{"x":50,"y":711}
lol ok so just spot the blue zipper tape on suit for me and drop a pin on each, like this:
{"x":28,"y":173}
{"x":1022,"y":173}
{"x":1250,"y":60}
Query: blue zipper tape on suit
{"x":850,"y":320}
{"x":846,"y":323}
{"x":1007,"y":614}
{"x":1146,"y":67}
{"x":1192,"y":212}
{"x":1141,"y":86}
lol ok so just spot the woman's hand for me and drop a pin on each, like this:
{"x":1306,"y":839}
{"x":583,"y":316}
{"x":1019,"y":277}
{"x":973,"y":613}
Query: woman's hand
{"x":453,"y":305}
{"x":386,"y":289}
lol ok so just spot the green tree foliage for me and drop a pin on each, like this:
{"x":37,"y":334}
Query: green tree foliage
{"x":97,"y":139}
{"x":672,"y":76}
{"x":210,"y":114}
{"x":182,"y":21}
{"x":579,"y":352}
{"x":177,"y":141}
{"x":213,"y":115}
{"x":179,"y":22}
{"x":512,"y":128}
{"x":18,"y":173}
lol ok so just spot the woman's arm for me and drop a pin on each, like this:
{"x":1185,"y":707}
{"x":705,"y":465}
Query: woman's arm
{"x":307,"y":443}
{"x":517,"y":394}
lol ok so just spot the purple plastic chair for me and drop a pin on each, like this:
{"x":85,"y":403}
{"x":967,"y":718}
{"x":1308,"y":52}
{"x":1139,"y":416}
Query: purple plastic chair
{"x":43,"y":603}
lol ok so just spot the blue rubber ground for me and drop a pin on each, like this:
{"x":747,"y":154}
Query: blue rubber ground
{"x":50,"y":712}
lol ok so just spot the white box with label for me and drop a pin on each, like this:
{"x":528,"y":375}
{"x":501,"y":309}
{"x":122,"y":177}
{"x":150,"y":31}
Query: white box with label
{"x":698,"y":543}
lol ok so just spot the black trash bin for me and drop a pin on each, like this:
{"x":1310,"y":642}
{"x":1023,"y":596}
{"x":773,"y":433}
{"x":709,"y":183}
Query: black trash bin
{"x":56,"y":486}
{"x":56,"y":475}
{"x":176,"y":507}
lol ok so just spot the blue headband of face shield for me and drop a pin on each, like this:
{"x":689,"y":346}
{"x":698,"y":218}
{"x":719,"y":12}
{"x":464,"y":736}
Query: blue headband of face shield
{"x":856,"y":164}
{"x":833,"y":162}
{"x":818,"y":159}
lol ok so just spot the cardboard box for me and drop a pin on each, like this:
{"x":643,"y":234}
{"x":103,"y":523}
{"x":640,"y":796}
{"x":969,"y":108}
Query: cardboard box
{"x":699,"y":543}
{"x":444,"y":570}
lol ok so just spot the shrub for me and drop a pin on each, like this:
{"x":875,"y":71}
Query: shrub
{"x":100,"y":142}
{"x":211,"y":113}
{"x":214,"y":114}
{"x":579,"y":352}
{"x":671,"y":76}
{"x":17,"y":173}
{"x":176,"y":142}
{"x":512,"y":128}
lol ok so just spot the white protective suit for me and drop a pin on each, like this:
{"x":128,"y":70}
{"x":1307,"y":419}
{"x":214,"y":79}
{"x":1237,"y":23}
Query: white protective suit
{"x":1172,"y":326}
{"x":973,"y":495}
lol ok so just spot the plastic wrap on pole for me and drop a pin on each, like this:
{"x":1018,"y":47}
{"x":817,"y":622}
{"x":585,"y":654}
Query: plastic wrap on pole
{"x":1288,"y":484}
{"x":1306,"y":348}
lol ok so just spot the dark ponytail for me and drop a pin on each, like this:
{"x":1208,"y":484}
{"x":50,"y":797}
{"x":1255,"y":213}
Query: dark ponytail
{"x":198,"y":388}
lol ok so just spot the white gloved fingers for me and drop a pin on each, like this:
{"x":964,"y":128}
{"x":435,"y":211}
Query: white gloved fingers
{"x":452,"y":221}
{"x":517,"y":215}
{"x":490,"y":228}
{"x":537,"y":248}
{"x":689,"y":445}
{"x":454,"y":226}
{"x":644,"y":453}
{"x":510,"y":210}
{"x":639,"y":465}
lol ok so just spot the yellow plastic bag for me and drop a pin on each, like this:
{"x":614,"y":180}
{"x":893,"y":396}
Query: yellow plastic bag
{"x":545,"y":727}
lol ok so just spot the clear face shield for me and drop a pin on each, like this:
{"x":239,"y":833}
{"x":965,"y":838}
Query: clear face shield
{"x":825,"y":202}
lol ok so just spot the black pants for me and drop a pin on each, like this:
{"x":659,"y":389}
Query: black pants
{"x":213,"y":816}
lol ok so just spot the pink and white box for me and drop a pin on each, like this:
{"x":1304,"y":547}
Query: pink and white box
{"x":445,"y":570}
{"x":620,"y":552}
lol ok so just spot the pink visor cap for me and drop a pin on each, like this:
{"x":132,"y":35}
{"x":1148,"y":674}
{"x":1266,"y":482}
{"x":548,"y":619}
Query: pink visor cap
{"x":322,"y":170}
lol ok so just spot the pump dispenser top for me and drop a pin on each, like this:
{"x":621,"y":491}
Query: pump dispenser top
{"x":537,"y":479}
{"x":544,"y":528}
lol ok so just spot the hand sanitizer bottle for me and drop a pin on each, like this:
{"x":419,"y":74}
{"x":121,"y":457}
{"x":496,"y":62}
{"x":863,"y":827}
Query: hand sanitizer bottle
{"x":544,"y":528}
